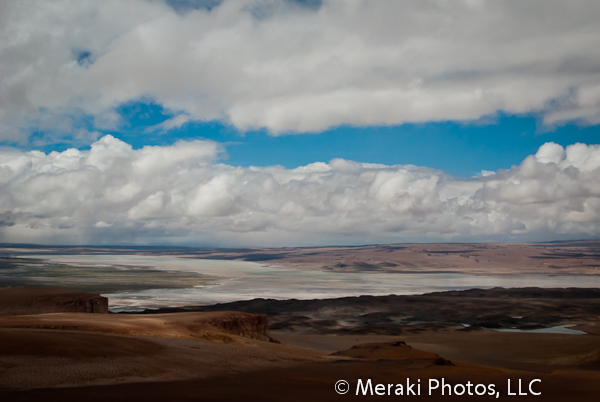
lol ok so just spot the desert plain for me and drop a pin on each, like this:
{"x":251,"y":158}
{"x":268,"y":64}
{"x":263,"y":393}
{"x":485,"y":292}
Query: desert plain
{"x":65,"y":345}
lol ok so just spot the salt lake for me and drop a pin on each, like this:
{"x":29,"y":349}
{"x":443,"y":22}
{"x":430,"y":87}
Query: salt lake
{"x":135,"y":282}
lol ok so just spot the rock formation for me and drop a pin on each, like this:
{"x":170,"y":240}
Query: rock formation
{"x":253,"y":326}
{"x":40,"y":300}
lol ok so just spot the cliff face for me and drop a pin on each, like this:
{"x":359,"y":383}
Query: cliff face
{"x":40,"y":300}
{"x":253,"y":326}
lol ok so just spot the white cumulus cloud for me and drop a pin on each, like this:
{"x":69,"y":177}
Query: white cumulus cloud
{"x":278,"y":65}
{"x":113,"y":193}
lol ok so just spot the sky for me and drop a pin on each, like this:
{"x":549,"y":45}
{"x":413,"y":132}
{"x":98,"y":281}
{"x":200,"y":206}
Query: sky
{"x":299,"y":122}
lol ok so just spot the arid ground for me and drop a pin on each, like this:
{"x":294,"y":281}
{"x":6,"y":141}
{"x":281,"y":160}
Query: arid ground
{"x":54,"y":348}
{"x":556,"y":258}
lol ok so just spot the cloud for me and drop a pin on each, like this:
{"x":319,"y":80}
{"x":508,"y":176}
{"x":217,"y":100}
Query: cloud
{"x":181,"y":193}
{"x":296,"y":66}
{"x":174,"y":122}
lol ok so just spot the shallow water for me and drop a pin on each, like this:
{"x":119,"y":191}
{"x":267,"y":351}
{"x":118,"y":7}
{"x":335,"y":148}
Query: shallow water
{"x":221,"y":281}
{"x":560,"y":329}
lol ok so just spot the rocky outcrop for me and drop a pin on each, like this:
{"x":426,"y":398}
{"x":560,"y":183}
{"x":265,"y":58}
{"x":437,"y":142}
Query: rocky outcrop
{"x":40,"y":300}
{"x":253,"y":326}
{"x":393,"y":351}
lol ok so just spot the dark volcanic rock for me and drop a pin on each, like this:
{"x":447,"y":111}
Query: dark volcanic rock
{"x":522,"y":308}
{"x":40,"y":300}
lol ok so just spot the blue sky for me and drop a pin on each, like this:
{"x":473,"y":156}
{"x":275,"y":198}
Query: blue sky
{"x":463,"y":149}
{"x":296,"y":122}
{"x":459,"y":148}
